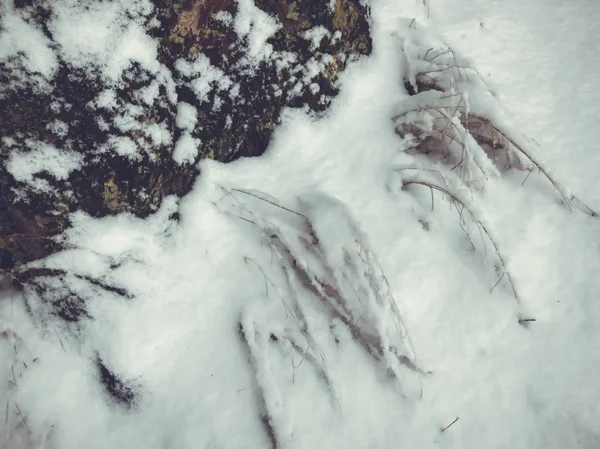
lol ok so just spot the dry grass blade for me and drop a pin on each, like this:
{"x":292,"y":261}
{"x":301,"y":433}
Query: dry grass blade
{"x":266,"y":200}
{"x":268,"y":423}
{"x":446,"y":137}
{"x":455,"y":198}
{"x":444,"y":52}
{"x":568,"y":199}
{"x":12,"y":276}
{"x":437,"y":108}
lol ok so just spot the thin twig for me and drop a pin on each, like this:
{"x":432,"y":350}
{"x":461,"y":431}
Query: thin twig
{"x":61,"y":343}
{"x":478,"y":222}
{"x":21,"y":415}
{"x":520,"y":149}
{"x":12,"y":276}
{"x":285,"y":306}
{"x":530,"y":170}
{"x":449,"y":425}
{"x":497,"y":282}
{"x":441,"y":54}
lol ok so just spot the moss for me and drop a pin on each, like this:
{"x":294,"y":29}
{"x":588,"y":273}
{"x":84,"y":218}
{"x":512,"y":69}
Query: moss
{"x":61,"y":208}
{"x":345,"y":16}
{"x":114,"y":200}
{"x":363,"y":46}
{"x":174,"y":37}
{"x":293,"y":12}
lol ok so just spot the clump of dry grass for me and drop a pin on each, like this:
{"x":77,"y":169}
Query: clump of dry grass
{"x":437,"y":132}
{"x":18,"y":432}
{"x":446,"y":127}
{"x":320,"y":277}
{"x":457,"y":140}
{"x":301,"y":277}
{"x":492,"y":136}
{"x":461,"y":206}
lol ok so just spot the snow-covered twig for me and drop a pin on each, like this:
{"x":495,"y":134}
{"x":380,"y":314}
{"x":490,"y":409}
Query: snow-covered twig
{"x":455,"y":198}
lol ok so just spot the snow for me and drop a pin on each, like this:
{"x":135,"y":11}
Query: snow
{"x":204,"y":77}
{"x":124,"y":146}
{"x":257,"y":26}
{"x":107,"y":99}
{"x":186,"y":149}
{"x":149,"y":93}
{"x":187,"y":116}
{"x":549,"y":52}
{"x":8,"y":141}
{"x":224,"y":17}
{"x":58,"y":127}
{"x":85,"y":34}
{"x":158,"y":133}
{"x":318,"y":295}
{"x":28,"y":42}
{"x":315,"y":36}
{"x":135,"y":45}
{"x":99,"y":35}
{"x":42,"y":157}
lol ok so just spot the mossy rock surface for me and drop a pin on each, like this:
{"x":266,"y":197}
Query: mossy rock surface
{"x":228,"y":127}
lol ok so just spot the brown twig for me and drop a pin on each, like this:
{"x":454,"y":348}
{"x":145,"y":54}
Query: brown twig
{"x":449,"y":425}
{"x":521,"y":150}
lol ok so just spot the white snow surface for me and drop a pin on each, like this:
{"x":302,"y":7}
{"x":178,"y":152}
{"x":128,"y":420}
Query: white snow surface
{"x":42,"y":157}
{"x":21,"y":38}
{"x":315,"y":36}
{"x":187,"y":116}
{"x":204,"y":76}
{"x":186,"y":149}
{"x":233,"y":311}
{"x":257,"y":26}
{"x":99,"y":34}
{"x":124,"y":146}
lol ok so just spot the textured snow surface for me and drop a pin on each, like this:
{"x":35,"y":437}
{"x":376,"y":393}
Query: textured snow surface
{"x":42,"y":157}
{"x":304,"y":299}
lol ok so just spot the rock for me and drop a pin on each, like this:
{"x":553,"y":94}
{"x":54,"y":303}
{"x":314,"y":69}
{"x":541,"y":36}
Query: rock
{"x":128,"y":145}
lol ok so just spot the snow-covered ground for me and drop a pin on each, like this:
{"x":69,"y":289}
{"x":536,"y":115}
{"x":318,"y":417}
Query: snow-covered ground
{"x":323,"y":295}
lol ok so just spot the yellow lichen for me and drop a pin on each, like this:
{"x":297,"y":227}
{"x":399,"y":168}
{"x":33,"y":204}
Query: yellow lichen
{"x":189,"y":21}
{"x":345,"y":15}
{"x":114,"y":200}
{"x":293,"y":12}
{"x":174,"y":37}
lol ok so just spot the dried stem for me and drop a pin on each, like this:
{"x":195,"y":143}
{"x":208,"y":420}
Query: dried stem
{"x":449,"y":425}
{"x":478,"y":222}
